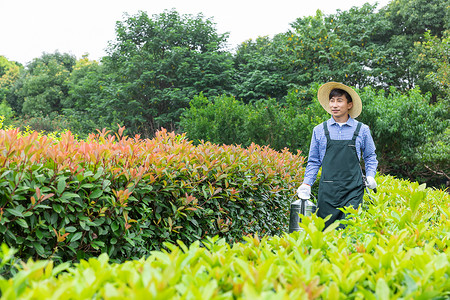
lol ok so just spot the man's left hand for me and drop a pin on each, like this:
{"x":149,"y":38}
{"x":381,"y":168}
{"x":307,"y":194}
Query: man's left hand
{"x":371,"y":183}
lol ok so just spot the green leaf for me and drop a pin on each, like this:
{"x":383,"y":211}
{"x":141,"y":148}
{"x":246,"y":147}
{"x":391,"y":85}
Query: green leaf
{"x":15,"y":212}
{"x":41,"y":206}
{"x":11,"y":235}
{"x":39,"y":249}
{"x":76,"y":236}
{"x":96,"y":193}
{"x":71,"y":229}
{"x":97,"y":244}
{"x":130,"y":241}
{"x":111,"y":250}
{"x":61,"y":185}
{"x":99,"y":221}
{"x":39,"y":234}
{"x":415,"y":200}
{"x":90,"y":223}
{"x":22,"y":223}
{"x":382,"y":290}
{"x":114,"y":226}
{"x":59,"y":268}
{"x":53,"y":218}
{"x":69,"y":195}
{"x":84,"y":226}
{"x":28,"y":213}
{"x":105,"y":184}
{"x":98,"y":174}
{"x":57,"y":208}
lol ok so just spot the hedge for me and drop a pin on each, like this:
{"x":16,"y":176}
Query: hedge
{"x":69,"y":199}
{"x":396,"y":247}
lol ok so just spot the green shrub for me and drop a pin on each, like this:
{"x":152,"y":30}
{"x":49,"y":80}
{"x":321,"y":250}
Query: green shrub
{"x":66,"y":199}
{"x":226,"y":120}
{"x":45,"y":125}
{"x":401,"y":124}
{"x":397,"y":247}
{"x":435,"y":157}
{"x":219,"y":121}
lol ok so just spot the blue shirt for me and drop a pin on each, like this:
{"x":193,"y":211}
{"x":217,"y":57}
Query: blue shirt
{"x":364,"y":143}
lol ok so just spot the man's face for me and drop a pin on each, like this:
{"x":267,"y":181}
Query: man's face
{"x":339,"y":106}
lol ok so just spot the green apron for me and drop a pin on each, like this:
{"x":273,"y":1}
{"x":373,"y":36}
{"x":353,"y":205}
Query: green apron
{"x":341,"y":183}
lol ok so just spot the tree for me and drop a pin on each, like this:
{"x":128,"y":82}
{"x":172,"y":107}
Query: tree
{"x":156,"y":65}
{"x":320,"y":48}
{"x":9,"y":72}
{"x":432,"y":57}
{"x":361,"y":47}
{"x":85,"y":106}
{"x":41,"y":86}
{"x":401,"y":123}
{"x":408,"y":21}
{"x":218,"y":121}
{"x":415,"y":17}
{"x":435,"y":157}
{"x":261,"y":69}
{"x":433,"y":64}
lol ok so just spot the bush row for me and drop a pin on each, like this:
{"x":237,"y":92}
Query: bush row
{"x":125,"y":196}
{"x":395,"y":247}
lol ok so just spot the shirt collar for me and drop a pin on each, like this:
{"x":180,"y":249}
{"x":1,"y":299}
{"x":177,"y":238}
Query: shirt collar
{"x":350,"y":122}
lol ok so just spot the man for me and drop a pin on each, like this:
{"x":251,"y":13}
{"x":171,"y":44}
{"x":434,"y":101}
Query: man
{"x":337,"y":146}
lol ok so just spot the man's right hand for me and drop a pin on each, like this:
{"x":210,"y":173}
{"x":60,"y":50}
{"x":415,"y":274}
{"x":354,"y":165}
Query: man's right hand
{"x":304,"y":191}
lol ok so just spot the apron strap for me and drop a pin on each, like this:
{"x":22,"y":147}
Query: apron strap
{"x":325,"y":129}
{"x":355,"y":134}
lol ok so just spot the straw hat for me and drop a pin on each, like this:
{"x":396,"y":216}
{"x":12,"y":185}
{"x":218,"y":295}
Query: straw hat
{"x":324,"y":97}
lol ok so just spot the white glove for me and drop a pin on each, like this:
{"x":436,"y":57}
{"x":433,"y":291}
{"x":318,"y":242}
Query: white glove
{"x":304,"y":191}
{"x":371,"y":183}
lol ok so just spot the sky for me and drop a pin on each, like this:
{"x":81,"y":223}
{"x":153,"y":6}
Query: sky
{"x":28,"y":28}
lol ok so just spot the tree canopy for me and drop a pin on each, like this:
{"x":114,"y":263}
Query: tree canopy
{"x":156,"y":65}
{"x":173,"y":71}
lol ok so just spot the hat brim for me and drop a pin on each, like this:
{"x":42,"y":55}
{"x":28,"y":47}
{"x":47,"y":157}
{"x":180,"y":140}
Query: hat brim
{"x":323,"y":95}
